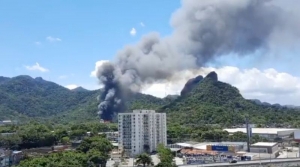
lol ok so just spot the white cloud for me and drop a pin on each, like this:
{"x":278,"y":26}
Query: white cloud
{"x":72,"y":86}
{"x":53,"y":39}
{"x":38,"y":43}
{"x":142,"y":24}
{"x":36,"y":67}
{"x":98,"y":64}
{"x":266,"y":85}
{"x":63,"y":77}
{"x":133,"y":32}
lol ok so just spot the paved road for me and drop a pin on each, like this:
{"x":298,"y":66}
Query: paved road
{"x":243,"y":162}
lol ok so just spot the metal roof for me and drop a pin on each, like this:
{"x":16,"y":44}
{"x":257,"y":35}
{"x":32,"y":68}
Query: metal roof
{"x":259,"y":130}
{"x":264,"y":144}
{"x":184,"y":144}
{"x":175,"y":149}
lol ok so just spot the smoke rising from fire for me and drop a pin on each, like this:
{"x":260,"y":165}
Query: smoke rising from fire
{"x":202,"y":31}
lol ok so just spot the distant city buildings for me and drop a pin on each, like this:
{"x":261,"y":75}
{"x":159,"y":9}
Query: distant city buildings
{"x":141,"y":131}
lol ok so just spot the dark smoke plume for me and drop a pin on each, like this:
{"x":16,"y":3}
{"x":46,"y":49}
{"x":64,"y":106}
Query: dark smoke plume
{"x":202,"y":31}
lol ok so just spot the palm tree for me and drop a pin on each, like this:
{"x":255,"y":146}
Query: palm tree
{"x":144,"y":159}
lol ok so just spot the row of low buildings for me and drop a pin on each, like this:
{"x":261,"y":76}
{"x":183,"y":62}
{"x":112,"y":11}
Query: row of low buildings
{"x":209,"y":152}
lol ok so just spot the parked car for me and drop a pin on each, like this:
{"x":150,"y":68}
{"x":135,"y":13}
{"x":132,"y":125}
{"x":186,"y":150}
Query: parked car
{"x":233,"y":161}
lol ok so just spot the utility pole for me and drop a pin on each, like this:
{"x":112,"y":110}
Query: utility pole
{"x":248,"y":129}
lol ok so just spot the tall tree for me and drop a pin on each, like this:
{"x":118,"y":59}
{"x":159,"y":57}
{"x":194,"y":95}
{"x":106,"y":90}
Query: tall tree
{"x":165,"y":156}
{"x":98,"y":145}
{"x":97,"y":158}
{"x":144,"y":159}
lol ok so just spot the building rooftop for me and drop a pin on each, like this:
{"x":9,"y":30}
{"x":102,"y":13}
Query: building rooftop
{"x":175,"y":149}
{"x":202,"y":146}
{"x":258,"y":130}
{"x":264,"y":144}
{"x":143,"y":111}
{"x":198,"y":152}
{"x":184,"y":144}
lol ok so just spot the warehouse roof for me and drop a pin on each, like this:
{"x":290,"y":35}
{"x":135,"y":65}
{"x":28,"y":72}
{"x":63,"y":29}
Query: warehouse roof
{"x":202,"y":146}
{"x":184,"y":144}
{"x":175,"y":149}
{"x":264,"y":144}
{"x":259,"y":130}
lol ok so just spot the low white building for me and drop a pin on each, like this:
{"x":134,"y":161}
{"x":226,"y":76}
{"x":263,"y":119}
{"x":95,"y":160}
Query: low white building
{"x":268,"y":133}
{"x":264,"y":147}
{"x":141,"y":131}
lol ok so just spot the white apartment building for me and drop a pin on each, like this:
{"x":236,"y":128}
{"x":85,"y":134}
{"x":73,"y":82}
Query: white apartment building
{"x":141,"y":131}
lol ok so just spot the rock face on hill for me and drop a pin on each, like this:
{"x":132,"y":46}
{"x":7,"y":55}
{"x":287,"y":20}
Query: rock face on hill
{"x":212,"y":75}
{"x":191,"y":83}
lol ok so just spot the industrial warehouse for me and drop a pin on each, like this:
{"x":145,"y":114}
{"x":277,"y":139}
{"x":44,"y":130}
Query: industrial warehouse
{"x":211,"y":152}
{"x":268,"y":133}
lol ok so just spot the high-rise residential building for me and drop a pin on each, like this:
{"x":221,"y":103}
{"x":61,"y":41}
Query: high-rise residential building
{"x":141,"y":131}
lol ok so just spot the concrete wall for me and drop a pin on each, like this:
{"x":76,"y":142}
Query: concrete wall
{"x":285,"y":133}
{"x":275,"y":148}
{"x":270,"y":149}
{"x":258,"y":150}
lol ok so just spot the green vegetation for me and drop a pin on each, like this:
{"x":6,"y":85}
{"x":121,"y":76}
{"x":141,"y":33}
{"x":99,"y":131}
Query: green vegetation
{"x":24,"y":98}
{"x":212,"y":105}
{"x":62,"y":115}
{"x":61,"y":159}
{"x":209,"y":102}
{"x":214,"y":102}
{"x":166,"y":157}
{"x":200,"y":115}
{"x":35,"y":134}
{"x":93,"y":151}
{"x":144,"y":159}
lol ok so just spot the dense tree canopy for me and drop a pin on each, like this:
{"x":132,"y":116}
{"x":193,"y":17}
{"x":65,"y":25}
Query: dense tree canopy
{"x":144,"y":159}
{"x":166,"y":157}
{"x":63,"y":159}
{"x":35,"y":134}
{"x":93,"y":151}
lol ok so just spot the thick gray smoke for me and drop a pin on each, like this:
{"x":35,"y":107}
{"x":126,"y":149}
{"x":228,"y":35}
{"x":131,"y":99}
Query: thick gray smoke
{"x":202,"y":31}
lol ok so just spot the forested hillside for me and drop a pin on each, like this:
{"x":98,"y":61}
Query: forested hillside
{"x":24,"y":97}
{"x":27,"y":97}
{"x":204,"y":101}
